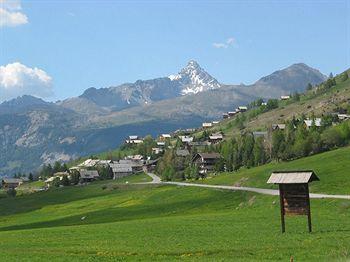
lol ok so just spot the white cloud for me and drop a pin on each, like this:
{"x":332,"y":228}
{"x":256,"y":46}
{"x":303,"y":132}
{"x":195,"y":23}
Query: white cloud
{"x":220,"y":45}
{"x":10,"y":13}
{"x":229,"y":42}
{"x":17,"y":79}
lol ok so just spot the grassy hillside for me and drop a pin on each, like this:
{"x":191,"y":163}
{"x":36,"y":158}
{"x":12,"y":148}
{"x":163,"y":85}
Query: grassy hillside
{"x":166,"y":223}
{"x":331,"y":167}
{"x":311,"y":102}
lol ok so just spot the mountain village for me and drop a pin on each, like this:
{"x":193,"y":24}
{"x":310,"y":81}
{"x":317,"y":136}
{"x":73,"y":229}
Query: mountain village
{"x":194,"y":148}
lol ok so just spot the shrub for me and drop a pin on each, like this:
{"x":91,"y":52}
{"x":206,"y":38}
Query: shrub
{"x":331,"y":138}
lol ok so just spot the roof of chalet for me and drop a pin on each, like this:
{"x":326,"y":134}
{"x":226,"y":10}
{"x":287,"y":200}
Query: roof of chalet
{"x":50,"y":179}
{"x":216,"y":136}
{"x":88,"y":173}
{"x":152,"y":162}
{"x":279,"y":126}
{"x":199,"y":143}
{"x":292,"y":177}
{"x":186,"y":138}
{"x":121,"y":168}
{"x":132,"y":163}
{"x":309,"y":122}
{"x":61,"y":174}
{"x":134,"y":157}
{"x":10,"y":180}
{"x":343,"y":115}
{"x":209,"y":155}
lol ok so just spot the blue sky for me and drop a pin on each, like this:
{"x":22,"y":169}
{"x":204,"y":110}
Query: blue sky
{"x":69,"y":46}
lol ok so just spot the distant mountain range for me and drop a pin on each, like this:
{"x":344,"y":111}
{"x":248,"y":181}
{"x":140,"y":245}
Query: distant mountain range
{"x":190,"y":80}
{"x":33,"y":131}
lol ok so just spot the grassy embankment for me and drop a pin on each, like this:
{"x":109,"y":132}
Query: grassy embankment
{"x":331,"y":167}
{"x":110,"y":221}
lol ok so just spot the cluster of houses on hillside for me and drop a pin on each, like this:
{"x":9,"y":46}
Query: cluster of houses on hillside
{"x":238,"y":110}
{"x":89,"y":169}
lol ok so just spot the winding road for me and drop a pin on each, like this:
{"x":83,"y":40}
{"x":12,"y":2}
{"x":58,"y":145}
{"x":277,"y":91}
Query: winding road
{"x":156,"y":180}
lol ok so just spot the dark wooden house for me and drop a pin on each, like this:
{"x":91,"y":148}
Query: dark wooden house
{"x":206,"y":161}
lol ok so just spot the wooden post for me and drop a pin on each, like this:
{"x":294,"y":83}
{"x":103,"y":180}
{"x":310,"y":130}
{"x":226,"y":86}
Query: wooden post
{"x":308,"y":209}
{"x":282,"y":208}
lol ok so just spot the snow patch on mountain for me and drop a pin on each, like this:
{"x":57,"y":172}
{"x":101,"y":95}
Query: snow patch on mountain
{"x":194,"y":79}
{"x":174,"y":77}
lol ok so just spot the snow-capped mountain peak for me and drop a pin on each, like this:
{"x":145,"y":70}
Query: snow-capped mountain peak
{"x":194,"y":79}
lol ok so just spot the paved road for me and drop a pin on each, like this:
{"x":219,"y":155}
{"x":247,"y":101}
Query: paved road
{"x":155,"y":179}
{"x":273,"y":192}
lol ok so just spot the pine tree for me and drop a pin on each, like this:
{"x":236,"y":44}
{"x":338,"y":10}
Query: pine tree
{"x":259,"y":154}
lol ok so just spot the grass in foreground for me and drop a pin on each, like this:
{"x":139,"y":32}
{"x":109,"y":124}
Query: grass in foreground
{"x":124,"y":222}
{"x":331,"y":167}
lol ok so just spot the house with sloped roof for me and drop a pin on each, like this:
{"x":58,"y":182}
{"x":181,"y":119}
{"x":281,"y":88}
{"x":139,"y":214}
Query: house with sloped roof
{"x":343,"y":116}
{"x":278,"y":126}
{"x":126,"y":167}
{"x":157,"y":150}
{"x":225,"y":115}
{"x":285,"y":97}
{"x":186,"y":139}
{"x":161,"y":144}
{"x":216,"y":137}
{"x":121,"y":170}
{"x":206,"y":161}
{"x":242,"y":109}
{"x":310,"y":122}
{"x":232,"y":113}
{"x":164,"y":137}
{"x":88,"y":175}
{"x":133,"y":139}
{"x":11,"y":183}
{"x":207,"y":124}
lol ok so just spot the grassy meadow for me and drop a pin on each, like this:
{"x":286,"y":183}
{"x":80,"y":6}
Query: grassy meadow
{"x":331,"y":167}
{"x":118,"y":222}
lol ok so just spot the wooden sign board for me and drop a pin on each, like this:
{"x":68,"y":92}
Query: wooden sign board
{"x":294,"y":200}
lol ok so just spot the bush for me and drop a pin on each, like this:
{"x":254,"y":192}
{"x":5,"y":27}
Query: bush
{"x":331,"y":138}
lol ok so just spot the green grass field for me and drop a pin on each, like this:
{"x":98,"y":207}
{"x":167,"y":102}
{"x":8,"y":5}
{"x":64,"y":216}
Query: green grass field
{"x":146,"y":222}
{"x":333,"y":169}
